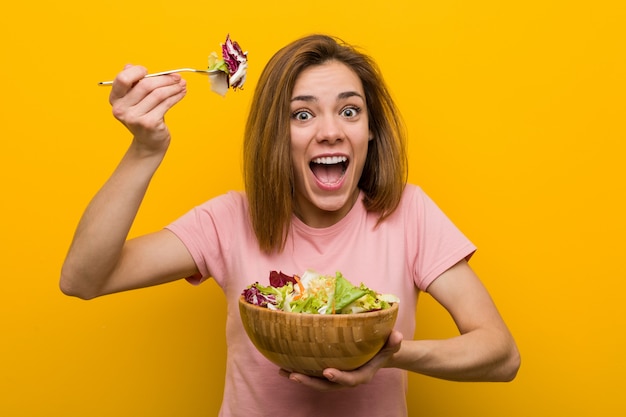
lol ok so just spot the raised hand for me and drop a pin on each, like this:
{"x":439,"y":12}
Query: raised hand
{"x":141,"y":103}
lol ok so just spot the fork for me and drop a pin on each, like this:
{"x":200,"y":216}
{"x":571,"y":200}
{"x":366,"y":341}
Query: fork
{"x":156,"y":74}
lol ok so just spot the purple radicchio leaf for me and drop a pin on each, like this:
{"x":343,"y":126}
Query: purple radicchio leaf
{"x":279,"y":279}
{"x":252,"y":295}
{"x":237,"y":62}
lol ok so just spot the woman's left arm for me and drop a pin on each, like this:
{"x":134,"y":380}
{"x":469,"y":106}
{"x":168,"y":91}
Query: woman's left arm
{"x":485,"y":349}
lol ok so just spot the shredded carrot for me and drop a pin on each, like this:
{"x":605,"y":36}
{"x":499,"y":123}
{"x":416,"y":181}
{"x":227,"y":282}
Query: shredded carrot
{"x":298,"y":296}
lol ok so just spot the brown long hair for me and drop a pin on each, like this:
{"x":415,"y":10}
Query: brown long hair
{"x":268,"y":172}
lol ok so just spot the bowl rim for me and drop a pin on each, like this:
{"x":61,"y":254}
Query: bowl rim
{"x":394,"y":306}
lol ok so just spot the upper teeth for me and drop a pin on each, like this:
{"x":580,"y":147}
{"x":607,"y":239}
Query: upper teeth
{"x":328,"y":160}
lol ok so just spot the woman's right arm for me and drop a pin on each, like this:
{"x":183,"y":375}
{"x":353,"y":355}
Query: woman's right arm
{"x":101,"y":260}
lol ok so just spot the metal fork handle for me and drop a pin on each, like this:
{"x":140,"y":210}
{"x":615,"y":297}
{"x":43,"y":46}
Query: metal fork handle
{"x":156,"y":74}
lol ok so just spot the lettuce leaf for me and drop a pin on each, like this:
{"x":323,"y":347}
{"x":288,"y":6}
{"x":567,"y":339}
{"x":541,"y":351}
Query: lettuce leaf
{"x":345,"y":292}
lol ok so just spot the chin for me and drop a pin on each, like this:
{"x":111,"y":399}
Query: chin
{"x":335,"y":202}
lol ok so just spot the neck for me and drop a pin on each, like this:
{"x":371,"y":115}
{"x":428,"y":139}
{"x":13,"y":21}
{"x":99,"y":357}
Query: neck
{"x":318,"y":218}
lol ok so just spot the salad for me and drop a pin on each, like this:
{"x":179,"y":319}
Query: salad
{"x":232,"y":67}
{"x":314,"y":293}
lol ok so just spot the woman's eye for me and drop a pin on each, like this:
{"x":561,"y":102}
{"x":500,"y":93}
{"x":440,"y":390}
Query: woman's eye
{"x":302,"y":115}
{"x":350,"y":112}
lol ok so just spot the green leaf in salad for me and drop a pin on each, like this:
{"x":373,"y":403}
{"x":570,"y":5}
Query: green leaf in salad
{"x":216,"y":63}
{"x":346,"y":293}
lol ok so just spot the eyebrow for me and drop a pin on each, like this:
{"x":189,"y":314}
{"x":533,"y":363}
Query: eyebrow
{"x":341,"y":96}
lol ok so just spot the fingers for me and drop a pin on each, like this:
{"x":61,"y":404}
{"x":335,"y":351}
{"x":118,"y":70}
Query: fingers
{"x":125,"y":81}
{"x":319,"y":384}
{"x":365,"y":373}
{"x":141,"y":103}
{"x":131,"y":89}
{"x":154,"y":96}
{"x":393,"y":342}
{"x":336,"y":379}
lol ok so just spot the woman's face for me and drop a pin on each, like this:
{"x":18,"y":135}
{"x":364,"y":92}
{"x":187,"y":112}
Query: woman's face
{"x":329,"y":140}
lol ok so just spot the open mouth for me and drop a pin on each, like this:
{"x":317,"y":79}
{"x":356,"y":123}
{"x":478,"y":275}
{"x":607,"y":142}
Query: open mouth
{"x":329,"y":169}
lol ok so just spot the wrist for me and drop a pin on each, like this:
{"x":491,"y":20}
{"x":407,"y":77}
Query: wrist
{"x":140,"y":150}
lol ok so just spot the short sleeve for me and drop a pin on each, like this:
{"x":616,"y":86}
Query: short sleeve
{"x":439,"y":243}
{"x":208,"y":232}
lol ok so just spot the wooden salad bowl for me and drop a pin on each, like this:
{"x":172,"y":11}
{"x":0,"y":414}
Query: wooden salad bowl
{"x":310,"y":343}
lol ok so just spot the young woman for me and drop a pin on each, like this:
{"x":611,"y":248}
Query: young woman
{"x":325,"y":175}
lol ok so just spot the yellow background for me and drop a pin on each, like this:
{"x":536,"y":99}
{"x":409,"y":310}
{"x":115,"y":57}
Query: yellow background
{"x":515,"y":111}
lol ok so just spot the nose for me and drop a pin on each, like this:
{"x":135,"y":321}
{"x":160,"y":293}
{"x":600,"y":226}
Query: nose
{"x":329,"y":130}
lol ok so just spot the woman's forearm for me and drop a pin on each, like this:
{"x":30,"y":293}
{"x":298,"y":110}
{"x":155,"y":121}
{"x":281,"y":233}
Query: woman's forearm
{"x":104,"y":227}
{"x":480,"y":355}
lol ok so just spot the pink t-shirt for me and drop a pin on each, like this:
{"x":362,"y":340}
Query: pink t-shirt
{"x":401,"y":256}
